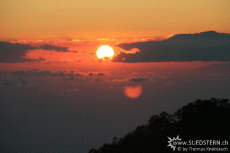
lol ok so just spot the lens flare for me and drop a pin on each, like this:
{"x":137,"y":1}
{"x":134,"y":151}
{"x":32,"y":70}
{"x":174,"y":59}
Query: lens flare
{"x":133,"y":91}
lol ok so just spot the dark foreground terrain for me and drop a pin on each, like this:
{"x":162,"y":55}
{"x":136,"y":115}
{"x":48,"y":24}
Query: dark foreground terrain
{"x":200,"y":120}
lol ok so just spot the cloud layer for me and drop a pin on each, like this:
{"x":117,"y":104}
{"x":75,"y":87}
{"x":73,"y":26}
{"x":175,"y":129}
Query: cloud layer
{"x":13,"y":81}
{"x":205,"y":46}
{"x":16,"y":52}
{"x":35,"y":72}
{"x":56,"y":48}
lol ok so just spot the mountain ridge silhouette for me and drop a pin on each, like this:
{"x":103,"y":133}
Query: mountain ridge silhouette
{"x":199,"y":120}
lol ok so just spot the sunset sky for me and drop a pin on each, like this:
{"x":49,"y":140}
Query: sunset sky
{"x":55,"y":91}
{"x":90,"y":20}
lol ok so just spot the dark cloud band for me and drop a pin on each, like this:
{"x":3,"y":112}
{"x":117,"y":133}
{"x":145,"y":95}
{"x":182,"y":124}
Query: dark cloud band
{"x":16,"y":52}
{"x":205,"y":46}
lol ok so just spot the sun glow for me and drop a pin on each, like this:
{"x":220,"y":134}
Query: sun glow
{"x":105,"y":52}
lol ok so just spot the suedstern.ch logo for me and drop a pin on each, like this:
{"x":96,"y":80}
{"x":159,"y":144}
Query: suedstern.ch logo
{"x":172,"y":142}
{"x":177,"y":141}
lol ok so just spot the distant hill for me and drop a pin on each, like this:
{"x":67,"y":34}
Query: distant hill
{"x":200,"y":120}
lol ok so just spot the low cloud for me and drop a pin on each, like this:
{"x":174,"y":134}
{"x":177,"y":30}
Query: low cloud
{"x":134,"y":78}
{"x":91,"y":73}
{"x":23,"y":82}
{"x":75,"y":79}
{"x":55,"y":48}
{"x":139,"y":79}
{"x":35,"y":72}
{"x":9,"y":82}
{"x":99,"y":80}
{"x":96,"y":73}
{"x":14,"y":81}
{"x":16,"y":52}
{"x":41,"y":80}
{"x":41,"y":59}
{"x":205,"y":46}
{"x":100,"y":74}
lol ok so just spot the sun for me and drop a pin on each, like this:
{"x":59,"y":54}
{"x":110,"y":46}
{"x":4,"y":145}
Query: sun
{"x":105,"y":52}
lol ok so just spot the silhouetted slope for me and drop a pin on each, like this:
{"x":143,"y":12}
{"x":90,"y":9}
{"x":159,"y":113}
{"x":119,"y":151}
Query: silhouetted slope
{"x":200,"y":120}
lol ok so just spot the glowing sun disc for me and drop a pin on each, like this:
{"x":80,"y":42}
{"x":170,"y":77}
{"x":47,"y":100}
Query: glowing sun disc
{"x":105,"y":52}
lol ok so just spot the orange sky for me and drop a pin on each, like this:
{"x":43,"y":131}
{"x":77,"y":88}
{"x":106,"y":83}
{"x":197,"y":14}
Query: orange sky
{"x":84,"y":25}
{"x":90,"y":19}
{"x":50,"y":74}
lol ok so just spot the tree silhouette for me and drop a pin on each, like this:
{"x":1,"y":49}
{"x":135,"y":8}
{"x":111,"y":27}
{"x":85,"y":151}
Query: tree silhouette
{"x":200,"y":120}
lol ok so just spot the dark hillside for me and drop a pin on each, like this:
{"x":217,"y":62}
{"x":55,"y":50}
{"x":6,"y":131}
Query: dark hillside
{"x":200,"y":120}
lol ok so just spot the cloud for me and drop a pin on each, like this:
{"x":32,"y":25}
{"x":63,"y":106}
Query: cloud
{"x":23,"y":82}
{"x":41,"y":58}
{"x":56,"y":48}
{"x":16,"y":52}
{"x":13,"y":81}
{"x":35,"y":72}
{"x":41,"y":80}
{"x":205,"y":46}
{"x":100,"y":74}
{"x":133,"y":78}
{"x":75,"y":79}
{"x":99,"y":80}
{"x":139,"y":79}
{"x":91,"y":73}
{"x":96,"y":73}
{"x":9,"y":82}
